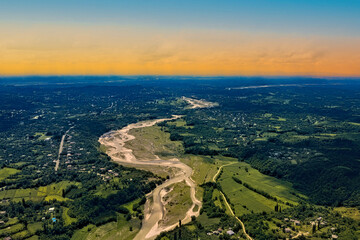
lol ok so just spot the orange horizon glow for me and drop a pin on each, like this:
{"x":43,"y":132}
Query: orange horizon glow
{"x":75,"y":50}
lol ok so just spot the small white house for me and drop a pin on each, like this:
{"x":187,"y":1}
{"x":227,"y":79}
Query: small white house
{"x":230,"y":232}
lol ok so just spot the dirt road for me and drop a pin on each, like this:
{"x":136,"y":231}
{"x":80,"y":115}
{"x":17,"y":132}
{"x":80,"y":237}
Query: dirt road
{"x":228,"y":205}
{"x":218,"y":172}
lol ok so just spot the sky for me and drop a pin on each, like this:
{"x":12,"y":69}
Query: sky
{"x":187,"y":37}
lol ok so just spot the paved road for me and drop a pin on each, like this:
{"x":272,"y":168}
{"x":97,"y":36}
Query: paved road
{"x":61,"y":149}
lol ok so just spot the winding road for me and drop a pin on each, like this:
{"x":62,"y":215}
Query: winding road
{"x":228,"y":205}
{"x":219,"y":170}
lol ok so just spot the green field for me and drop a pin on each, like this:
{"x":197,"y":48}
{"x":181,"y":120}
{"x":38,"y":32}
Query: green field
{"x":109,"y":231}
{"x":178,"y":202}
{"x":47,"y":193}
{"x":204,"y":167}
{"x":41,"y":136}
{"x":219,"y":201}
{"x":7,"y":172}
{"x":152,"y":141}
{"x":67,"y":219}
{"x":353,"y":213}
{"x":12,"y":229}
{"x":246,"y":200}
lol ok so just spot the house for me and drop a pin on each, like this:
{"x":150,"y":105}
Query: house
{"x":2,"y":212}
{"x":297,"y":223}
{"x":2,"y":222}
{"x":287,"y":230}
{"x":51,"y":209}
{"x":334,"y":237}
{"x":230,"y":232}
{"x":286,"y":219}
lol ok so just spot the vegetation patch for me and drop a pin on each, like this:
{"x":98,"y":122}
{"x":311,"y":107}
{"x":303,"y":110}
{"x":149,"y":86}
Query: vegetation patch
{"x":120,"y":229}
{"x":65,"y":216}
{"x":7,"y":172}
{"x":251,"y":191}
{"x":177,"y":201}
{"x":151,"y":141}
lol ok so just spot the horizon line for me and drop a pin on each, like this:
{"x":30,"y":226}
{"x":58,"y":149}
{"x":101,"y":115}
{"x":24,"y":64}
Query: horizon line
{"x":185,"y":75}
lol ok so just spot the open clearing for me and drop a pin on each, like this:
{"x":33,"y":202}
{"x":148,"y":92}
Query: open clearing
{"x":109,"y":231}
{"x":47,"y":193}
{"x":353,"y":213}
{"x":176,"y":199}
{"x":7,"y":172}
{"x":151,"y":141}
{"x":246,"y":200}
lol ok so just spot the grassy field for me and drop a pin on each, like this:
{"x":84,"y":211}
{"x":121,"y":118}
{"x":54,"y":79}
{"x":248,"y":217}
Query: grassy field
{"x":354,"y":123}
{"x":130,"y":205}
{"x":110,"y":231}
{"x":204,"y":167}
{"x":47,"y":193}
{"x":246,"y":200}
{"x":219,"y":201}
{"x":178,"y":202}
{"x":33,"y":227}
{"x":179,"y":123}
{"x":7,"y":172}
{"x":152,"y":141}
{"x":206,"y":221}
{"x":12,"y":229}
{"x":353,"y":213}
{"x":67,"y":219}
{"x":41,"y":136}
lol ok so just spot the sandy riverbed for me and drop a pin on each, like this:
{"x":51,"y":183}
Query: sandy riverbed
{"x":114,"y":142}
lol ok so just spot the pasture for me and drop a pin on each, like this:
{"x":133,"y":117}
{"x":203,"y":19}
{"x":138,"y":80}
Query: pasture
{"x":47,"y":193}
{"x":177,"y":201}
{"x":246,"y":200}
{"x":7,"y":172}
{"x":121,"y":229}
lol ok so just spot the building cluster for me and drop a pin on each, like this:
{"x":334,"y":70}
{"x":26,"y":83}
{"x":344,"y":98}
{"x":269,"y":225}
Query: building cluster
{"x":220,"y":231}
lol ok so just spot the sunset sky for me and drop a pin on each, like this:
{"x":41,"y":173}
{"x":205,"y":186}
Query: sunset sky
{"x":197,"y":37}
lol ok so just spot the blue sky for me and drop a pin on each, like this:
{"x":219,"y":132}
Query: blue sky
{"x":253,"y":37}
{"x":298,"y":17}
